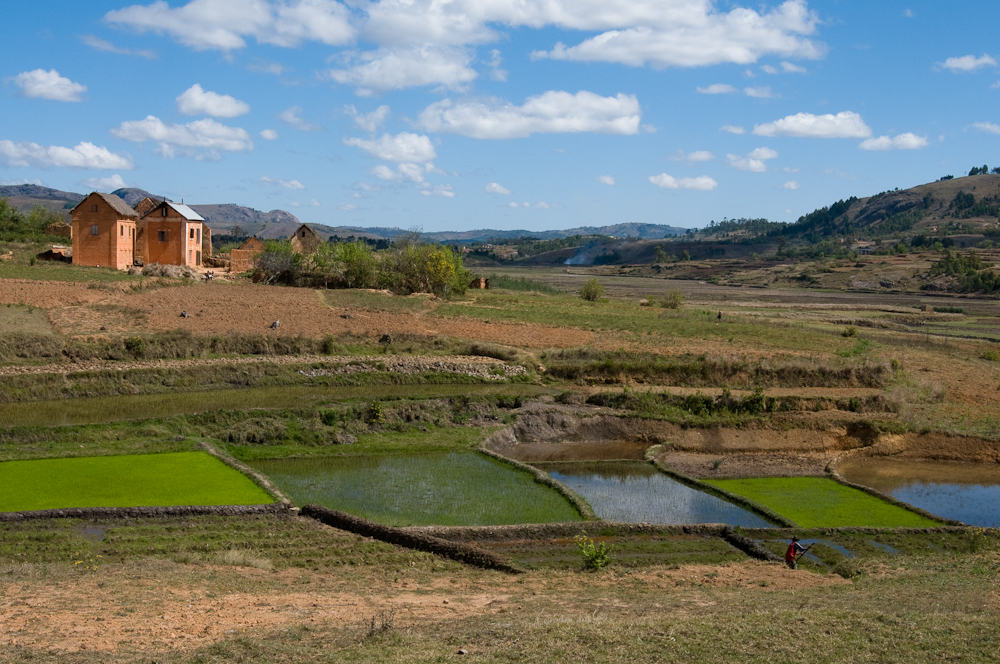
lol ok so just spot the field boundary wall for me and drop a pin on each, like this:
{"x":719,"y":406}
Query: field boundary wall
{"x":831,"y":470}
{"x":463,"y":553}
{"x":741,"y":501}
{"x":250,"y":474}
{"x":505,"y":435}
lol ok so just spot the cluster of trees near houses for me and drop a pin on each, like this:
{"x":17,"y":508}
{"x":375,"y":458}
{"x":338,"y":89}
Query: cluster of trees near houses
{"x":15,"y":226}
{"x":405,"y":266}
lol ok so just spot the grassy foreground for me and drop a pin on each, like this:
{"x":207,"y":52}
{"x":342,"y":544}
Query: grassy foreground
{"x":184,"y":478}
{"x":814,"y":502}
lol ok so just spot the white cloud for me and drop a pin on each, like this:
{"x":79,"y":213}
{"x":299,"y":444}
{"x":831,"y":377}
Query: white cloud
{"x":908,"y":13}
{"x":790,"y":68}
{"x":684,"y":34}
{"x":397,"y":68}
{"x":445,"y":190}
{"x":195,"y":101}
{"x":496,"y":73}
{"x":791,"y":184}
{"x":494,"y":188}
{"x":104,"y":184}
{"x":41,"y":84}
{"x":347,"y":207}
{"x":840,"y":174}
{"x":403,"y":147}
{"x":23,"y":181}
{"x":287,"y":184}
{"x":370,"y":122}
{"x":845,"y":124}
{"x":697,"y":155}
{"x":290,"y":116}
{"x":550,"y":112}
{"x":84,"y":155}
{"x":268,"y":134}
{"x":313,"y":202}
{"x":540,"y":205}
{"x":717,"y":89}
{"x":732,"y":129}
{"x":907,"y":141}
{"x":606,"y":179}
{"x":702,"y":183}
{"x":265,"y":67}
{"x":988,"y":127}
{"x":199,"y":139}
{"x":769,"y":69}
{"x":405,"y":171}
{"x":758,"y":93}
{"x":223,"y":24}
{"x":754,"y":161}
{"x":968,"y":63}
{"x":99,"y":44}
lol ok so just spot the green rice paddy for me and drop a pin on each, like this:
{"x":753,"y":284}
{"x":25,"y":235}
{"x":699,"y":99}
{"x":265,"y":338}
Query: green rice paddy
{"x":149,"y":480}
{"x":814,"y":502}
{"x":452,"y":489}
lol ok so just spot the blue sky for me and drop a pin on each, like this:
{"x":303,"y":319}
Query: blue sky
{"x":505,"y":114}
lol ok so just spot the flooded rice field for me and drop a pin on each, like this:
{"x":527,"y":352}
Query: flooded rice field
{"x":635,"y":492}
{"x":965,"y":492}
{"x":450,"y":489}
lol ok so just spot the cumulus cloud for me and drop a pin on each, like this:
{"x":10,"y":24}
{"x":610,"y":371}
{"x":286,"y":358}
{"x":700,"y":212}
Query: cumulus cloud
{"x":907,"y":141}
{"x":754,"y":161}
{"x":23,"y":181}
{"x":759,"y":93}
{"x":41,"y":84}
{"x":988,"y":127}
{"x":687,"y":34}
{"x":223,"y":25}
{"x":717,"y":89}
{"x":403,"y":147}
{"x":84,"y":155}
{"x":550,"y":112}
{"x":445,"y":190}
{"x":845,"y":124}
{"x":398,"y":68}
{"x":104,"y":184}
{"x":347,"y":207}
{"x":606,"y":179}
{"x":265,"y":67}
{"x":696,"y":156}
{"x":268,"y":134}
{"x":494,"y":188}
{"x":702,"y":183}
{"x":291,"y":117}
{"x":99,"y":44}
{"x":791,"y":184}
{"x":199,"y":139}
{"x":540,"y":205}
{"x":287,"y":184}
{"x":732,"y":129}
{"x":968,"y":63}
{"x":368,"y":121}
{"x":496,"y":73}
{"x":195,"y":101}
{"x":790,"y":68}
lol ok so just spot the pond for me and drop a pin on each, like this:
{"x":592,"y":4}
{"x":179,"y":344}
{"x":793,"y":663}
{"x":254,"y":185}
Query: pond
{"x":636,"y":492}
{"x":966,"y":492}
{"x":99,"y":410}
{"x":449,"y":489}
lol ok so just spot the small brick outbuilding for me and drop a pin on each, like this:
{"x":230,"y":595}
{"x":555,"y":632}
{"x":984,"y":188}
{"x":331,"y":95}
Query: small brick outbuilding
{"x":241,"y":260}
{"x":103,"y":231}
{"x":305,"y":241}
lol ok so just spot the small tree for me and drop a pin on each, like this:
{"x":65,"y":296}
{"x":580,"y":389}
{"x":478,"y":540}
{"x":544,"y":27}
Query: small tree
{"x":278,"y":261}
{"x":673,"y":299}
{"x":592,"y":291}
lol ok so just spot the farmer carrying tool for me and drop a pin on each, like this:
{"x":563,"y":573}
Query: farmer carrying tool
{"x":794,"y":552}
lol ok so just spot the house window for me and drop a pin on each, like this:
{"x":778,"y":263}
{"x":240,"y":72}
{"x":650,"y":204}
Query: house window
{"x":162,"y":236}
{"x":190,"y":255}
{"x":192,"y":233}
{"x":93,"y":207}
{"x":122,"y":230}
{"x":94,"y":230}
{"x":163,"y":212}
{"x":199,"y":235}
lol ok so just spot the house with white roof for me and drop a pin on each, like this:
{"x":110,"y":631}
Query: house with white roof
{"x":172,"y":234}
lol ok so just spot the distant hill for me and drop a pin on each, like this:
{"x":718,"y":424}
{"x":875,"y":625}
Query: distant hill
{"x":133,"y":195}
{"x":26,"y":196}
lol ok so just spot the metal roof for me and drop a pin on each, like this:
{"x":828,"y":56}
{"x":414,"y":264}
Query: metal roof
{"x":185,"y":211}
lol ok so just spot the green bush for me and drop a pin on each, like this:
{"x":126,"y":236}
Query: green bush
{"x":592,"y":291}
{"x":673,"y":299}
{"x":991,"y":355}
{"x":594,"y":557}
{"x":849,"y":331}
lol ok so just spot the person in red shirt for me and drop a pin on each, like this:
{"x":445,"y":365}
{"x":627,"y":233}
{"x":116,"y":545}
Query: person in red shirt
{"x":792,"y":553}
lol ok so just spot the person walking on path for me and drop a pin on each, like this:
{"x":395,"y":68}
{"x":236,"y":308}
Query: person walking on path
{"x":793,"y":552}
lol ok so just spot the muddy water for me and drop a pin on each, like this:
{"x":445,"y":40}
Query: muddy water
{"x":965,"y":492}
{"x":635,"y":492}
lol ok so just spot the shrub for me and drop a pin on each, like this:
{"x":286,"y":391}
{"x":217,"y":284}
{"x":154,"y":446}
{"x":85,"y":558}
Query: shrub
{"x":594,"y":556}
{"x":592,"y":291}
{"x":849,"y":331}
{"x":991,"y":355}
{"x":673,"y":299}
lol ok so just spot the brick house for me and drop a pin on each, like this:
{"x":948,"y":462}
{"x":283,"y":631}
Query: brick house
{"x":241,"y":260}
{"x":103,"y":231}
{"x":171,"y":234}
{"x":305,"y":240}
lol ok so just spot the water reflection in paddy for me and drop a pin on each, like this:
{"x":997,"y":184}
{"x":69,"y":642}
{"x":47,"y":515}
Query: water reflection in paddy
{"x":635,"y":492}
{"x":965,"y":492}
